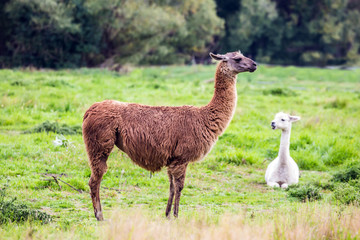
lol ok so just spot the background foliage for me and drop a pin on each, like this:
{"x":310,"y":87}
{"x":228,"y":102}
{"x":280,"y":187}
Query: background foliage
{"x":293,"y":32}
{"x":73,"y":33}
{"x":110,"y":33}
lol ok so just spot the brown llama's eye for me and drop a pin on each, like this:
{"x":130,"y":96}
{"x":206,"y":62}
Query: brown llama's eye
{"x":237,"y":60}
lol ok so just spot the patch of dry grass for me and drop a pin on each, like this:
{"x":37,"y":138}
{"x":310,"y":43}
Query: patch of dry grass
{"x":306,"y":221}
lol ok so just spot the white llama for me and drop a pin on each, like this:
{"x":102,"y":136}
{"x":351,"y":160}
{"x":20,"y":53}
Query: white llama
{"x":283,"y":171}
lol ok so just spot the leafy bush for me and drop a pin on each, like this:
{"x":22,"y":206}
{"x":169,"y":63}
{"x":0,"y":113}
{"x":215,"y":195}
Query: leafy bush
{"x":11,"y":211}
{"x":304,"y":193}
{"x":56,"y":128}
{"x":325,"y":185}
{"x":280,"y":92}
{"x":345,"y":175}
{"x":345,"y":193}
{"x":346,"y":185}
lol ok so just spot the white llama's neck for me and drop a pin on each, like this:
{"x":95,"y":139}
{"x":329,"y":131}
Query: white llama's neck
{"x":284,"y":151}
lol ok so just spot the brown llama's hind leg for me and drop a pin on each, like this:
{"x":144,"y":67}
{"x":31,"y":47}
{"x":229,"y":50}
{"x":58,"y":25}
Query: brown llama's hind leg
{"x":178,"y":173}
{"x":97,"y":173}
{"x":98,"y":154}
{"x":171,"y":195}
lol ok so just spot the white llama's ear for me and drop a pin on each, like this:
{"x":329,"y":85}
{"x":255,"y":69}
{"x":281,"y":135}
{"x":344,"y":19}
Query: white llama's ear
{"x":218,"y":57}
{"x":294,"y":118}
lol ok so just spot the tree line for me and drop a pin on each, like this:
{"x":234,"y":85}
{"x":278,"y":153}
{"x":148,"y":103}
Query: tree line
{"x":77,"y":33}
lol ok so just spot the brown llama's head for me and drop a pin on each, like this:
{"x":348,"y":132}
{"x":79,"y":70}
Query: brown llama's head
{"x":236,"y":61}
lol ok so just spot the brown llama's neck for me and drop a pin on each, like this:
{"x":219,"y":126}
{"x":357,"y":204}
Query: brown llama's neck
{"x":220,"y":110}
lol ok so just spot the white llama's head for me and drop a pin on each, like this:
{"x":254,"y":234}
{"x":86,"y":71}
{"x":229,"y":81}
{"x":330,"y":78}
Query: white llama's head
{"x":283,"y":121}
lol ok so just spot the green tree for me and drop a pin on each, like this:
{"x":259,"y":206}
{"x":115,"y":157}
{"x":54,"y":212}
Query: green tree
{"x":50,"y":33}
{"x":251,"y":29}
{"x":159,"y":32}
{"x":39,"y":34}
{"x":133,"y":29}
{"x":203,"y":26}
{"x":72,"y":33}
{"x":321,"y":32}
{"x":299,"y":32}
{"x":4,"y":29}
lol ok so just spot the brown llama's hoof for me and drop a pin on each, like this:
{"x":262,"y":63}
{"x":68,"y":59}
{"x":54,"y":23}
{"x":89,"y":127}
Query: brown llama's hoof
{"x":99,"y":216}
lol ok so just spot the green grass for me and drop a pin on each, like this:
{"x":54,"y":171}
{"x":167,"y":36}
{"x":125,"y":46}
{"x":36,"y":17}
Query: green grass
{"x":229,"y":180}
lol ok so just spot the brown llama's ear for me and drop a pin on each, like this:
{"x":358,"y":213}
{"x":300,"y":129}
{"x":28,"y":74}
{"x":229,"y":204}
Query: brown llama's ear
{"x":218,"y":57}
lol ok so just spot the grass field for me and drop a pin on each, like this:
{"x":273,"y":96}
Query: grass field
{"x":225,"y":195}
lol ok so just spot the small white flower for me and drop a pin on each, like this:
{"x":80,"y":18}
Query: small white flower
{"x":57,"y":142}
{"x":61,"y":141}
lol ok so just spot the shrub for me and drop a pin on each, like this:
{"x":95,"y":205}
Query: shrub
{"x":56,"y":128}
{"x":345,"y":193}
{"x":345,"y":175}
{"x":325,"y":185}
{"x":280,"y":92}
{"x":304,"y":193}
{"x":11,"y":211}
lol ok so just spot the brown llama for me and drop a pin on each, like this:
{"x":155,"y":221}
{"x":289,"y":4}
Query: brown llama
{"x":155,"y":137}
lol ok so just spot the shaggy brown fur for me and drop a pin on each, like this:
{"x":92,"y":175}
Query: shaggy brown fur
{"x":155,"y":137}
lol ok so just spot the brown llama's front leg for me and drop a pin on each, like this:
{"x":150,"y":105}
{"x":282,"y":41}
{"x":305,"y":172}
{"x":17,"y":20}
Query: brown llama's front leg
{"x":178,"y":173}
{"x":171,"y":195}
{"x":97,"y":173}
